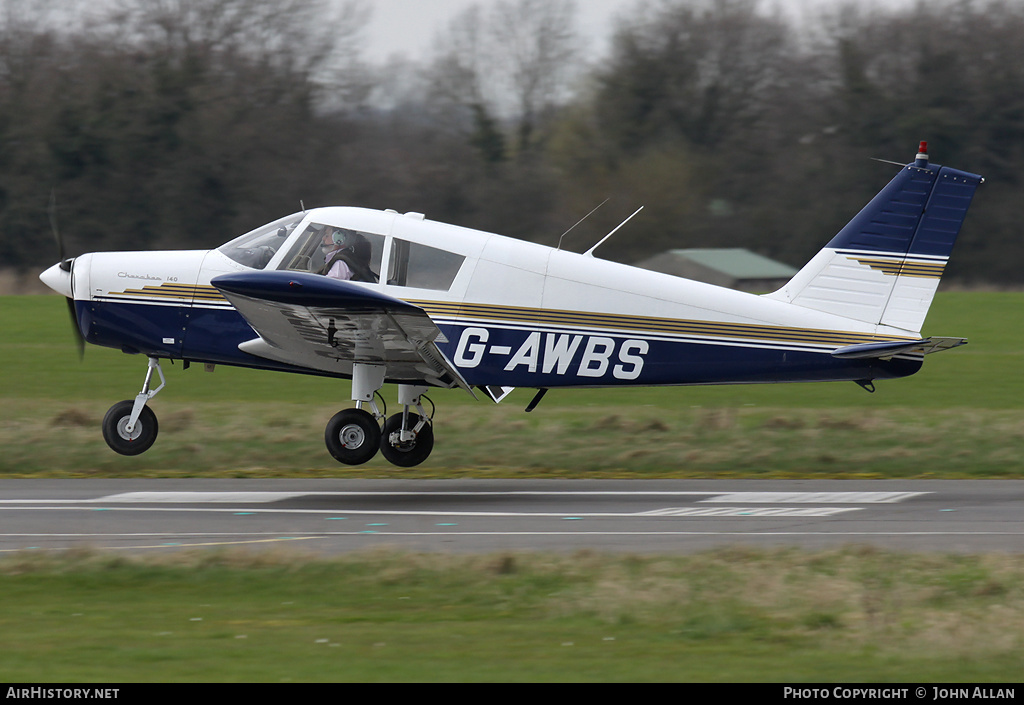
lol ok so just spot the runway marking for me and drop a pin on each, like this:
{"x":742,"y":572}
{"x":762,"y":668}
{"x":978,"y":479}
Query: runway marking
{"x":163,"y":545}
{"x":748,"y":511}
{"x":742,"y":499}
{"x":329,"y":534}
{"x":814,"y":497}
{"x":653,"y":513}
{"x":189,"y":497}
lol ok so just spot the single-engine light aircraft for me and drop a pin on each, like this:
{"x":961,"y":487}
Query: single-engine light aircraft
{"x":381,"y":297}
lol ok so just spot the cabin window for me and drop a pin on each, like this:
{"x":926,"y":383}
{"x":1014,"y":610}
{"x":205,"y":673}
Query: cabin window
{"x":256,"y":248}
{"x":423,"y":267}
{"x":320,"y":247}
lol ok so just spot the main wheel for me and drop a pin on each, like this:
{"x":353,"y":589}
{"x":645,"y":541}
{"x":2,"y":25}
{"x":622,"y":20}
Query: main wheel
{"x":352,"y":436}
{"x":141,"y":437}
{"x":409,"y":453}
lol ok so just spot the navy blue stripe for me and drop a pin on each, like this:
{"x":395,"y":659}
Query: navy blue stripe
{"x":919,"y":212}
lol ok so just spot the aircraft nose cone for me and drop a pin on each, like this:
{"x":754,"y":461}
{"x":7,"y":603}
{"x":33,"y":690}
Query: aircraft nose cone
{"x":57,"y":279}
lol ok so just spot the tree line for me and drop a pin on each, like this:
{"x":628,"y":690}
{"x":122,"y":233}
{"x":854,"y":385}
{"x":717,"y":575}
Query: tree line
{"x":183,"y":123}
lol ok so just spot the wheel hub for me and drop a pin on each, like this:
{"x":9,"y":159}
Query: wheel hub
{"x":122,"y":427}
{"x":352,"y":436}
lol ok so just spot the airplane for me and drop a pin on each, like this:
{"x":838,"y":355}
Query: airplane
{"x":382,"y":297}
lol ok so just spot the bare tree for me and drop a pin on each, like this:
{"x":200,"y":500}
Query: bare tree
{"x":310,"y":40}
{"x":512,"y":61}
{"x":535,"y":45}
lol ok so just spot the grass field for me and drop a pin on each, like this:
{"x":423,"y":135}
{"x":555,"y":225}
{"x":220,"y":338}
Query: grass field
{"x":961,"y":416}
{"x":847,"y":615}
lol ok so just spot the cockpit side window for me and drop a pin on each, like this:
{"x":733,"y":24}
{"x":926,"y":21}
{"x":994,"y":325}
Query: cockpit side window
{"x":423,"y":267}
{"x":256,"y":248}
{"x":338,"y":252}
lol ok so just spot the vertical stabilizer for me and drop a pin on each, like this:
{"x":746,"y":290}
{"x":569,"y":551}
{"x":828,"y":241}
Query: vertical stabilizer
{"x":884,"y":267}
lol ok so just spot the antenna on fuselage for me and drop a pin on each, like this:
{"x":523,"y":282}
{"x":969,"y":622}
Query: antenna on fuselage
{"x":590,"y":252}
{"x":302,"y":206}
{"x":580,"y":221}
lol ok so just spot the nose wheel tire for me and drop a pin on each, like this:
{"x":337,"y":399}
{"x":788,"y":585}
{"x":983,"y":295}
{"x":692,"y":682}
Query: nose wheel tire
{"x":352,"y":436}
{"x":115,"y":429}
{"x":409,"y":453}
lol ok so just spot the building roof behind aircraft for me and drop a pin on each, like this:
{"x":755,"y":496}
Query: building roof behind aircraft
{"x":733,"y":267}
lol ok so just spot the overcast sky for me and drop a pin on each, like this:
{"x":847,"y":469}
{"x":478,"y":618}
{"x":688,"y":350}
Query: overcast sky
{"x":408,"y":26}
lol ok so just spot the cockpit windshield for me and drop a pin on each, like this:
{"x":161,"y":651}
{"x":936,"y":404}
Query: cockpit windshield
{"x":256,"y":248}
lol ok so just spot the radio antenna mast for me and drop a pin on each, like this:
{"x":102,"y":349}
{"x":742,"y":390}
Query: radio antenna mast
{"x":580,"y":221}
{"x":590,"y":252}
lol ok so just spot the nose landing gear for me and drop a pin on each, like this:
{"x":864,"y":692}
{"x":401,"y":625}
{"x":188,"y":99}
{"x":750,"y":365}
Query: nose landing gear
{"x":130,"y":427}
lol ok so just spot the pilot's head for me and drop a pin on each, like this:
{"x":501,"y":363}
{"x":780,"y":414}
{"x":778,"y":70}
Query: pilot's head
{"x":354,"y":242}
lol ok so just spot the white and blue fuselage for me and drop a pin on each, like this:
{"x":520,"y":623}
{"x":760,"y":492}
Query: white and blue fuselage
{"x":515,"y":314}
{"x":429,"y":304}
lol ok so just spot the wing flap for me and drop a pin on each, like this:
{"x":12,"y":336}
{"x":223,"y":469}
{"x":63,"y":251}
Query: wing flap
{"x":328,"y":325}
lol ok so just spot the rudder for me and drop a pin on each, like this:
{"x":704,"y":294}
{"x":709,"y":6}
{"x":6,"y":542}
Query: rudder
{"x":884,"y":266}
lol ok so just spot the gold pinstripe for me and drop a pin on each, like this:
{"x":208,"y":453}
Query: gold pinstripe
{"x":174,"y":291}
{"x":749,"y":331}
{"x":928,"y":269}
{"x":609,"y":321}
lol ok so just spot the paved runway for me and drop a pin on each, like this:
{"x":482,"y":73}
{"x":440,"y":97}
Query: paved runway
{"x":643,"y":516}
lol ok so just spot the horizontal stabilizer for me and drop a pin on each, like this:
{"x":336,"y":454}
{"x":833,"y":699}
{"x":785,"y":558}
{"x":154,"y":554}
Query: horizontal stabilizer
{"x":891,"y":348}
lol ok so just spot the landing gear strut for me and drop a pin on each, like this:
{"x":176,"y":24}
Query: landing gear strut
{"x":408,"y":438}
{"x":353,"y":436}
{"x":130,"y":427}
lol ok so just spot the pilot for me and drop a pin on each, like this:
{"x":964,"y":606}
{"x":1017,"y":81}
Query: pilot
{"x":335,"y":261}
{"x":350,"y":250}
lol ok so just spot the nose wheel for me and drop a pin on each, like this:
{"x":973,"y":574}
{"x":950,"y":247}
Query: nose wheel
{"x":126,"y":438}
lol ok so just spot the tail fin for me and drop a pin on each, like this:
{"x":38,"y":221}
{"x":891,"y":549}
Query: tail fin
{"x":883,"y":268}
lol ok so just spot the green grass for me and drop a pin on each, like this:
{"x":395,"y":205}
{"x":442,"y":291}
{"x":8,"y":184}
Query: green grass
{"x":39,"y":361}
{"x":961,"y":416}
{"x":846,"y":615}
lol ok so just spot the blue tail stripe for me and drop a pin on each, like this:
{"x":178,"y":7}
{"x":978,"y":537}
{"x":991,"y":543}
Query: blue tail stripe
{"x":889,"y":221}
{"x":945,"y":213}
{"x":919,"y":212}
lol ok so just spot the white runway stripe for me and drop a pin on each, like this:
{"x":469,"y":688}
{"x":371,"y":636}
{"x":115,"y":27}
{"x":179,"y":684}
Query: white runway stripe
{"x":747,"y":511}
{"x":812,"y":497}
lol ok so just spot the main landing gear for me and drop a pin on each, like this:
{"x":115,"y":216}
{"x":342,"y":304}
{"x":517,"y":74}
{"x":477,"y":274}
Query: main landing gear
{"x":354,"y":436}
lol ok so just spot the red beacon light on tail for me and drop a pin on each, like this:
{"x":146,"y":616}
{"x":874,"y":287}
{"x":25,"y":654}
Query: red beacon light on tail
{"x":922,"y":155}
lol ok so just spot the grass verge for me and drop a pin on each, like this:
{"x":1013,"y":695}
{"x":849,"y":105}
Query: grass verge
{"x":962,"y":416}
{"x":50,"y":439}
{"x":848,"y":615}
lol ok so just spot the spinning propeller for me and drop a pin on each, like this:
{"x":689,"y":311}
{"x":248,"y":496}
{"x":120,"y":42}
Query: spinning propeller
{"x":65,"y":266}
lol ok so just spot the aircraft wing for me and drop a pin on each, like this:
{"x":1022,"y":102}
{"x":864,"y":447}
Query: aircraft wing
{"x":326,"y":324}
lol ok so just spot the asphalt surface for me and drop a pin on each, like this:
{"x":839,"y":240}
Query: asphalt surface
{"x":647,"y":516}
